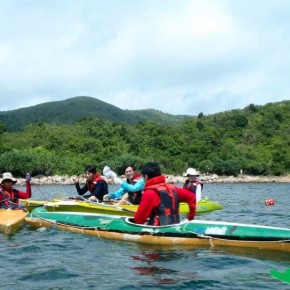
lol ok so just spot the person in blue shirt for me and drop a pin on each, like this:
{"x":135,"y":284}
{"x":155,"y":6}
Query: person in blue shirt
{"x":130,"y":191}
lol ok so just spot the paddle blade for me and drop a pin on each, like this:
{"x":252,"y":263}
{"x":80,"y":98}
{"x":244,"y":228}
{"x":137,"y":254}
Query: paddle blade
{"x":282,"y":276}
{"x":58,"y":195}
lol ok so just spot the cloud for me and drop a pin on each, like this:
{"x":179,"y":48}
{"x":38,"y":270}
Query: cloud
{"x":180,"y":57}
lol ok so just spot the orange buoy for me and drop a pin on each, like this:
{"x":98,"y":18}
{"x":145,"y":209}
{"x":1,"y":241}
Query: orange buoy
{"x":269,"y":201}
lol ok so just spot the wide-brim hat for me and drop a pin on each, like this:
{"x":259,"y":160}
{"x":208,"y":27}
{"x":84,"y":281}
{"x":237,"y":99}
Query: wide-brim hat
{"x":8,"y":176}
{"x":192,"y":172}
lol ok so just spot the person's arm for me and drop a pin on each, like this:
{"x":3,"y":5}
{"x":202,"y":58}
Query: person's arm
{"x":22,"y":194}
{"x":123,"y":200}
{"x":139,"y":185}
{"x":186,"y":196}
{"x":149,"y":201}
{"x":81,"y":191}
{"x":27,"y":194}
{"x":28,"y":189}
{"x":198,"y":193}
{"x":117,"y":194}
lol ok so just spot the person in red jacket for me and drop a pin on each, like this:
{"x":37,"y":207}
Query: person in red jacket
{"x":160,"y":200}
{"x":9,"y":196}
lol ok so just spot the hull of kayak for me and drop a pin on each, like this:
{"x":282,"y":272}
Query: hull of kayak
{"x":203,"y":206}
{"x":11,"y":220}
{"x":194,"y":233}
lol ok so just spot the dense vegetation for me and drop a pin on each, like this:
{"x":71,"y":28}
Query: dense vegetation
{"x":255,"y":140}
{"x":74,"y":109}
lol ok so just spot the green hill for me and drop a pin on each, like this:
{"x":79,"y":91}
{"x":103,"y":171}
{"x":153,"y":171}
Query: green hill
{"x":74,"y":109}
{"x":254,"y":140}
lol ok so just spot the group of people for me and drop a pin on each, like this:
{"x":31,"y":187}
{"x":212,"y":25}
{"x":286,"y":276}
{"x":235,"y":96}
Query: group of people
{"x":158,"y":200}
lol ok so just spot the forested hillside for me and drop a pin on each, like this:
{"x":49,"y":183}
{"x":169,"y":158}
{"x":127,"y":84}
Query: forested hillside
{"x":75,"y":109}
{"x":255,"y":139}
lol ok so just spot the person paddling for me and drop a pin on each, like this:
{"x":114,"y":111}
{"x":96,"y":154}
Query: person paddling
{"x":9,"y":196}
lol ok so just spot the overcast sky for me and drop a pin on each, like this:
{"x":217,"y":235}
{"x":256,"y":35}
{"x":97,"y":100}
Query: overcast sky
{"x":176,"y":56}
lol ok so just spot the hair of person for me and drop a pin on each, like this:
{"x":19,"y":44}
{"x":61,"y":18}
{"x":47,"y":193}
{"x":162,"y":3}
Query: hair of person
{"x":128,"y":165}
{"x":91,"y":169}
{"x":151,"y":169}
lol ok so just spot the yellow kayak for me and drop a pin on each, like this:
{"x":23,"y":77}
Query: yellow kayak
{"x":11,"y":220}
{"x":202,"y":206}
{"x":105,"y":208}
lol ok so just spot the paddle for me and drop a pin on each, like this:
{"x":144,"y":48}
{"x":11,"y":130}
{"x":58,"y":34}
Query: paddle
{"x":42,"y":193}
{"x":58,"y":195}
{"x":282,"y":276}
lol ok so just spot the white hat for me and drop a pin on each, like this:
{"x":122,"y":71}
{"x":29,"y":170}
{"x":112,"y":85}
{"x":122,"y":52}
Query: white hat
{"x":8,"y":175}
{"x":191,"y":171}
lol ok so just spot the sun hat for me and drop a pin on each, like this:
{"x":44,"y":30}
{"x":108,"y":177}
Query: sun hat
{"x":8,"y":176}
{"x":191,"y":171}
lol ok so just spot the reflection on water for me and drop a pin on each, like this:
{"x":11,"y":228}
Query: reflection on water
{"x":158,"y":266}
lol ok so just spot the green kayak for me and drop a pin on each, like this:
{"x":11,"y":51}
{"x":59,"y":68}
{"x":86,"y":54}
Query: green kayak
{"x":196,"y":232}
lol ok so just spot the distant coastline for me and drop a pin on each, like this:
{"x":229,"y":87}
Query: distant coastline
{"x":69,"y":180}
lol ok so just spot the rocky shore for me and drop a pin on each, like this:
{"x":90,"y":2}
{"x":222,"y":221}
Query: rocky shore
{"x":68,"y":180}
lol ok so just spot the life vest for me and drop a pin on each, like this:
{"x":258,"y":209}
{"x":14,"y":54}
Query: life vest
{"x":167,"y":212}
{"x":192,"y":185}
{"x":134,"y":197}
{"x":92,"y":184}
{"x":8,"y":198}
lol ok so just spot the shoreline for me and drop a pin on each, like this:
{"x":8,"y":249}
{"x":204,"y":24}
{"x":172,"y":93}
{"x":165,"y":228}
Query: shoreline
{"x":69,"y":180}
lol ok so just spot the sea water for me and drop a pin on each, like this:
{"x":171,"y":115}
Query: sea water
{"x":53,"y":259}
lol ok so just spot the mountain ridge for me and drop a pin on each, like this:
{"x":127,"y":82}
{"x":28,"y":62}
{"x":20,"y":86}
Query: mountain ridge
{"x":74,"y":109}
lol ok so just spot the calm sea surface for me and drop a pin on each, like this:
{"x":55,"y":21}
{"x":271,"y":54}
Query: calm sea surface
{"x":52,"y":259}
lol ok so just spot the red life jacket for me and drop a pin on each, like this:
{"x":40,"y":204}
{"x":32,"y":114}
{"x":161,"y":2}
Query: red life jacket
{"x":167,"y":212}
{"x":7,"y":198}
{"x":92,"y":184}
{"x":134,"y":197}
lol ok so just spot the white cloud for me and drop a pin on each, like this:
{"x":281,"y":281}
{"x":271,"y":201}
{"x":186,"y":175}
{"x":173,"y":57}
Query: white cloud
{"x":180,"y":57}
